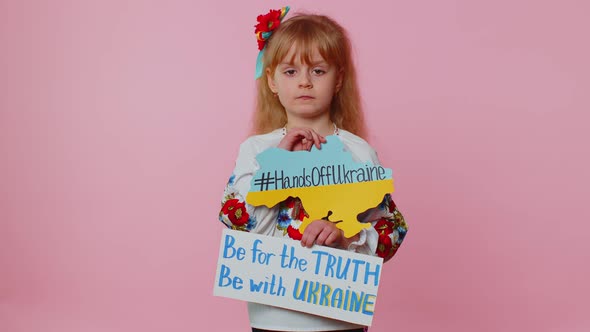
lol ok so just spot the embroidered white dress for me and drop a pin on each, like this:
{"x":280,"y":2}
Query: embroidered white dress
{"x":382,"y":239}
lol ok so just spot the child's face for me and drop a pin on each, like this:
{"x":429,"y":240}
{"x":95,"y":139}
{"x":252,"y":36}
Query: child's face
{"x":305,"y":90}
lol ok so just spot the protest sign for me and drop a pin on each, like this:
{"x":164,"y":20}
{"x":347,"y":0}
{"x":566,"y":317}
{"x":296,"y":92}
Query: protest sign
{"x":320,"y":280}
{"x":329,"y":182}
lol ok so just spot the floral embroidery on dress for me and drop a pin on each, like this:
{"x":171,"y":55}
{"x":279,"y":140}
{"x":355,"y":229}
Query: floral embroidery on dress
{"x":391,"y":228}
{"x":290,"y":217}
{"x":234,"y":213}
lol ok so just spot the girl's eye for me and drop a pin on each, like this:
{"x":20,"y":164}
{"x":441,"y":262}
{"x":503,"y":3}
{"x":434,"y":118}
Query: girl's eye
{"x":290,"y":72}
{"x":319,"y":71}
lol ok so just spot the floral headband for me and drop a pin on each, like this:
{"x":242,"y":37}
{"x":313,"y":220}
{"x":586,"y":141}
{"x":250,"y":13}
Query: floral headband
{"x":264,"y":29}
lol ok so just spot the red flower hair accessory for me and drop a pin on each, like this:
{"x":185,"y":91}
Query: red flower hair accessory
{"x":264,"y":29}
{"x":267,"y":24}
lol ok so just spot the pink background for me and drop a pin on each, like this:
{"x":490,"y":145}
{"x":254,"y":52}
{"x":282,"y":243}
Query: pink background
{"x":120,"y":122}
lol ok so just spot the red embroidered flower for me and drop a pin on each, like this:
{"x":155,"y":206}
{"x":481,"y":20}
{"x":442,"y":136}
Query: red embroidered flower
{"x":384,"y":247}
{"x":384,"y":227}
{"x":267,"y":23}
{"x":294,"y":233}
{"x":236,"y":212}
{"x":298,"y":212}
{"x":301,"y":214}
{"x":290,"y":202}
{"x":391,"y":205}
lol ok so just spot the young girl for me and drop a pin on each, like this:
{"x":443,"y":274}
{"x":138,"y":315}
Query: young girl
{"x":307,"y":90}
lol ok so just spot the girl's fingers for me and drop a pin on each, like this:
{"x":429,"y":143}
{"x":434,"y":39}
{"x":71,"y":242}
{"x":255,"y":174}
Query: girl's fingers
{"x":335,"y":238}
{"x":293,"y":140}
{"x":312,"y":138}
{"x":301,"y":139}
{"x":309,"y":145}
{"x":323,"y":236}
{"x":309,"y":237}
{"x":323,"y":233}
{"x":316,"y":139}
{"x":330,"y":236}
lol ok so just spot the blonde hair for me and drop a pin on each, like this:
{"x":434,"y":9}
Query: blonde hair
{"x":309,"y":32}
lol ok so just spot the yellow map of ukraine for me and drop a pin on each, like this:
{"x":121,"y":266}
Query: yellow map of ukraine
{"x":328,"y":182}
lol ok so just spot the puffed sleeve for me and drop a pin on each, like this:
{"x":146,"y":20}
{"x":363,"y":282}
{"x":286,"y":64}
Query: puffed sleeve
{"x":235,"y":213}
{"x":388,"y":227}
{"x":387,"y":232}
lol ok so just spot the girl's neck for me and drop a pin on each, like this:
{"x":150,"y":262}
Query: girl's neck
{"x":323,"y":126}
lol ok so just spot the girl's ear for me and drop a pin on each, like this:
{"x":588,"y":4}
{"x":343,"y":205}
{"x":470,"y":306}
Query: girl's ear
{"x":271,"y":81}
{"x":339,"y":80}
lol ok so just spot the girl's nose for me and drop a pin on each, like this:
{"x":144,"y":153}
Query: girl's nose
{"x":305,"y":81}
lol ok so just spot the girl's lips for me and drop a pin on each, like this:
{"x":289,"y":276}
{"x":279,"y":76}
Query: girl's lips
{"x":305,"y":97}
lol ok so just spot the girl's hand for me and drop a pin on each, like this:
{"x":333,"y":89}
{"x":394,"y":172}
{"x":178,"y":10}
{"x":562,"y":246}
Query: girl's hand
{"x":298,"y":139}
{"x":323,"y":233}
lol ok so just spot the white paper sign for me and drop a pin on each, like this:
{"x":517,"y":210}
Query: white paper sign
{"x":320,"y":280}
